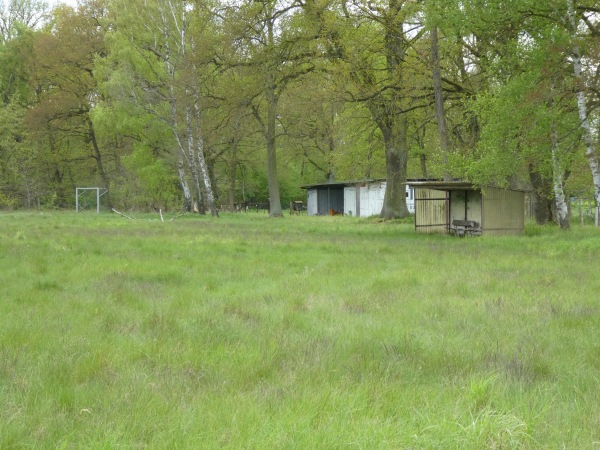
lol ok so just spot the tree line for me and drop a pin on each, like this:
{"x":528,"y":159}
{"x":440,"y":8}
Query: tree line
{"x":204,"y":104}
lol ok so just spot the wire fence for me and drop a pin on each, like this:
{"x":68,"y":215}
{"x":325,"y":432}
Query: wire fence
{"x":583,"y":210}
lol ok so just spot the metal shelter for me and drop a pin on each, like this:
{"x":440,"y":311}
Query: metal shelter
{"x":459,"y":207}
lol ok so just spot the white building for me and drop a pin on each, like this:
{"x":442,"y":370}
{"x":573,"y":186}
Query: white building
{"x":351,"y":198}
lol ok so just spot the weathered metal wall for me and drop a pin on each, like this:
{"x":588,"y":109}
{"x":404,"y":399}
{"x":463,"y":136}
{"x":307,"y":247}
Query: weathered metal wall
{"x":503,"y":212}
{"x":350,"y":201}
{"x":311,"y":203}
{"x":430,"y":211}
{"x":465,"y":205}
{"x":371,"y":199}
{"x":362,"y":199}
{"x":330,"y":198}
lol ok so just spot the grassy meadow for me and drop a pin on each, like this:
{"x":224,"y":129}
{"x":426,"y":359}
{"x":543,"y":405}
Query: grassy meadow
{"x":299,"y":333}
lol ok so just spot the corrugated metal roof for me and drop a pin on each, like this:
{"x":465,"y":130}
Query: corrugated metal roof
{"x":443,"y":185}
{"x":355,"y":182}
{"x":339,"y":184}
{"x":453,"y":185}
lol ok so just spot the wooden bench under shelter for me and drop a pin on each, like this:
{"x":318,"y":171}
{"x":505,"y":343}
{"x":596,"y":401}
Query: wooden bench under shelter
{"x":462,"y":228}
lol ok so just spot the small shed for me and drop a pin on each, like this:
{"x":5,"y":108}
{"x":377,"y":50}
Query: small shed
{"x":325,"y":199}
{"x":351,"y":198}
{"x":456,"y":206}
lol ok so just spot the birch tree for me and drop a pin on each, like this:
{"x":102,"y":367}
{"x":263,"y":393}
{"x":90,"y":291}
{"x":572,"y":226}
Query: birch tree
{"x":175,"y":22}
{"x":161,"y":60}
{"x":529,"y":121}
{"x":588,"y":15}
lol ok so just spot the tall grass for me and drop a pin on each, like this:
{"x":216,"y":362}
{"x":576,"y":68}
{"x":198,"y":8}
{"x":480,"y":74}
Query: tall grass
{"x":248,"y":332}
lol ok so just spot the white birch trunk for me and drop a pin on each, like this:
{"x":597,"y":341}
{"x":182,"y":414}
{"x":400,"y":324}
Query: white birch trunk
{"x":590,"y":153}
{"x":438,"y":93}
{"x":181,"y":30}
{"x":208,"y":190}
{"x":187,"y":194}
{"x":174,"y":126}
{"x":562,"y":209}
{"x":192,"y":152}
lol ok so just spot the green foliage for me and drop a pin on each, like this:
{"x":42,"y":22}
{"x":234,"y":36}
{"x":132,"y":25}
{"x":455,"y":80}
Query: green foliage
{"x":155,"y":183}
{"x":360,"y":152}
{"x":7,"y":202}
{"x":518,"y":116}
{"x":14,"y":74}
{"x":86,"y":89}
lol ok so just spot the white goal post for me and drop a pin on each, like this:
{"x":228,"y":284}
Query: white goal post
{"x":84,"y":190}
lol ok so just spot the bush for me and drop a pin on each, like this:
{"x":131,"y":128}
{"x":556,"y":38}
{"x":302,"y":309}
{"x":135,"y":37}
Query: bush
{"x":7,"y":202}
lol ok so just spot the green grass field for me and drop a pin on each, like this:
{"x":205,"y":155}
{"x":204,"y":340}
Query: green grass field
{"x":302,"y":333}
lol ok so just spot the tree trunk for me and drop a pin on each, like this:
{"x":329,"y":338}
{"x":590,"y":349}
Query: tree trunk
{"x":270,"y":138}
{"x":274,"y":199}
{"x":396,"y":159}
{"x":232,"y":173}
{"x":185,"y":189}
{"x":590,"y":153}
{"x":191,"y":157}
{"x":392,"y":121}
{"x":440,"y":114}
{"x":210,"y":197}
{"x":542,"y":205}
{"x":208,"y":190}
{"x":423,"y":163}
{"x":187,"y":193}
{"x":98,"y":157}
{"x":562,"y":210}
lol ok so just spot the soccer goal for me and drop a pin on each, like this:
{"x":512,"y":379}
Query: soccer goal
{"x":86,"y":197}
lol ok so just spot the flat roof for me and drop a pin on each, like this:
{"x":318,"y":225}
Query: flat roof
{"x":444,"y":185}
{"x":338,"y":184}
{"x":454,"y":185}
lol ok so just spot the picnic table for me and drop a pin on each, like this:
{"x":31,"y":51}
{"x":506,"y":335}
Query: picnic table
{"x":462,"y":228}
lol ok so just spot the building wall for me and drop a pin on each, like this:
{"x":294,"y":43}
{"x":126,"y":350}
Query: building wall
{"x":503,"y":212}
{"x":498,"y":211}
{"x":321,"y":200}
{"x":371,"y":199}
{"x":372,"y":196}
{"x":350,"y":201}
{"x":311,"y":202}
{"x":430,"y":210}
{"x":362,"y":201}
{"x":410,"y":199}
{"x":465,"y":205}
